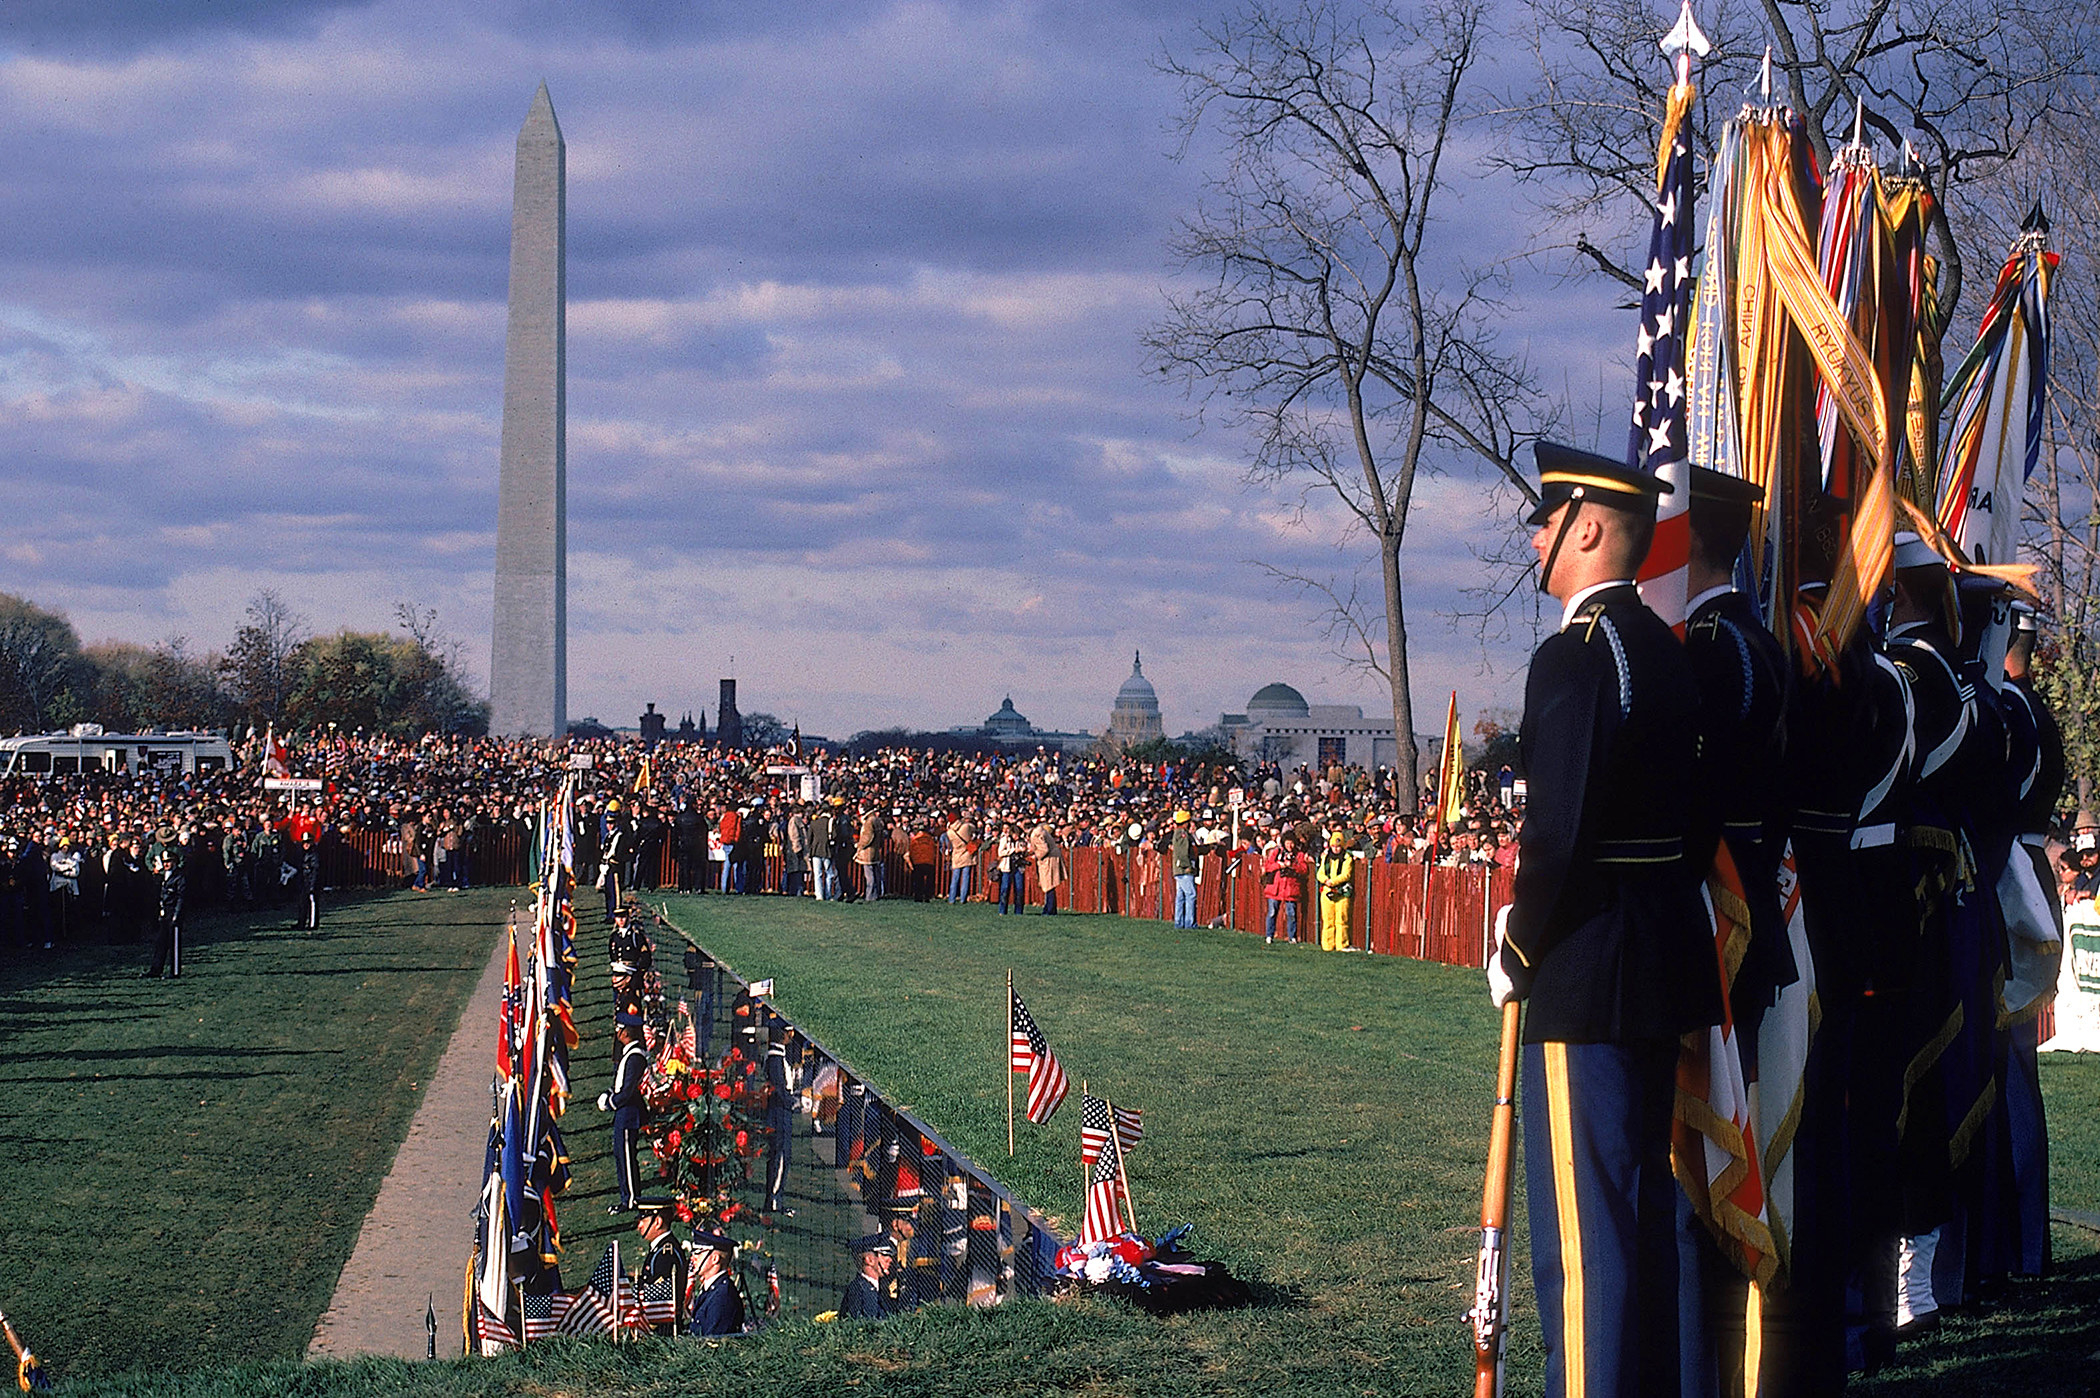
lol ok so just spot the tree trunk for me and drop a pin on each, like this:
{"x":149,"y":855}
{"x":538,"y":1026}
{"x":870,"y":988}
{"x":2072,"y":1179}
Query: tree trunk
{"x":1406,"y":757}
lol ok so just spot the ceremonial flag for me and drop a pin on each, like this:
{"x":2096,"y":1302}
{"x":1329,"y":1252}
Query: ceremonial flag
{"x":1713,"y":1139}
{"x":1047,"y":1083}
{"x":1658,"y":443}
{"x":509,"y":1018}
{"x":1104,"y":1192}
{"x":1130,"y":1126}
{"x":1784,"y":1036}
{"x":1451,"y":772}
{"x":1994,"y":436}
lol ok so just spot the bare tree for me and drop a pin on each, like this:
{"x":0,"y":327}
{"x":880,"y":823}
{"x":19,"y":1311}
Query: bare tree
{"x":260,"y":667}
{"x":1967,"y":82}
{"x":1329,"y":329}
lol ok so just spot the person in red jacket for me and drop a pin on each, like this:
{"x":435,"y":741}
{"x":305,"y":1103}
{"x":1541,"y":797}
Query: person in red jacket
{"x":1284,"y":867}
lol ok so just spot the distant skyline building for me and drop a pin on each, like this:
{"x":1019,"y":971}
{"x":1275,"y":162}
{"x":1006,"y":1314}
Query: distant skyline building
{"x":1009,"y":727}
{"x":1280,"y":726}
{"x":529,"y":665}
{"x":729,"y":723}
{"x":1134,"y":718}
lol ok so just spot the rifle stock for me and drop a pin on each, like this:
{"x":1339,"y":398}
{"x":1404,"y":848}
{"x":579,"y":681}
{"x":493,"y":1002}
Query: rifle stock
{"x":1490,"y":1313}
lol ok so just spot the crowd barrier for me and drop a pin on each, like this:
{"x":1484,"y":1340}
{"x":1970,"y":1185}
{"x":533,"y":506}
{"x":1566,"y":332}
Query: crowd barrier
{"x":855,"y":1164}
{"x":1427,"y":912}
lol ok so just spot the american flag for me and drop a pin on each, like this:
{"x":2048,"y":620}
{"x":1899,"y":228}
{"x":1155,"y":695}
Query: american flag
{"x":1095,"y":1115}
{"x":1047,"y":1083}
{"x":1657,"y":443}
{"x":495,"y":1333}
{"x":585,"y":1312}
{"x":659,"y":1301}
{"x":1104,"y":1192}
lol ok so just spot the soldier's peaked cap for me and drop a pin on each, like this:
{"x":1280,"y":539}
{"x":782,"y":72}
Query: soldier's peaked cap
{"x":1708,"y":484}
{"x":1568,"y":474}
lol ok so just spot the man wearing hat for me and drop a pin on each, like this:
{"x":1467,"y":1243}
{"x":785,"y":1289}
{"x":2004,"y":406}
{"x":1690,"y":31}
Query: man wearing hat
{"x":1335,"y":875}
{"x":665,"y":1261}
{"x":2034,"y":918}
{"x":864,"y":1299}
{"x":1741,"y":674}
{"x":1608,"y":938}
{"x":165,"y":863}
{"x":625,"y":1103}
{"x":1916,"y":991}
{"x":1181,"y":856}
{"x":718,"y":1308}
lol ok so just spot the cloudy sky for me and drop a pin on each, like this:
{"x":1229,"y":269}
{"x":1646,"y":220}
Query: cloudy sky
{"x":857,"y":407}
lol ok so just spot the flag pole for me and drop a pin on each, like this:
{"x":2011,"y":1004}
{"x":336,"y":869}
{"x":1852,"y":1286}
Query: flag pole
{"x":1122,"y":1175}
{"x":1009,"y":1060}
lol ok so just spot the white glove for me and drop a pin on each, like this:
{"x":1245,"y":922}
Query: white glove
{"x":1501,"y":989}
{"x":605,"y":1098}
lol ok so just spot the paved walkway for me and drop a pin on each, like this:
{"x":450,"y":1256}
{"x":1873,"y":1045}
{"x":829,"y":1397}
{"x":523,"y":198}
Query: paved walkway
{"x":416,"y":1240}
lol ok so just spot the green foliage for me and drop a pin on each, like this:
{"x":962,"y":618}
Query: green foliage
{"x":39,"y":665}
{"x":2067,"y":676}
{"x":381,"y":684}
{"x":189,"y":1161}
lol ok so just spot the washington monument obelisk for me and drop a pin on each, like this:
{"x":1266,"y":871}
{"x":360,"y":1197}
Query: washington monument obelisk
{"x":529,"y":673}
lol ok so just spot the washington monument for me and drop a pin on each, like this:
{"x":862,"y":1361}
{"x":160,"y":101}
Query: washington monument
{"x":529,"y":673}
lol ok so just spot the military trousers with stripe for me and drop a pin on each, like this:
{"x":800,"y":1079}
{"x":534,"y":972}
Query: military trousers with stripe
{"x":1602,"y":1207}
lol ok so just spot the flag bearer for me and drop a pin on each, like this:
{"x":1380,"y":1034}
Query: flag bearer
{"x":1608,"y":939}
{"x":1335,"y":873}
{"x":2034,"y":919}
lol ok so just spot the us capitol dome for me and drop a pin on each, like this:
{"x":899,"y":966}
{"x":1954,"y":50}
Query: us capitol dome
{"x":1134,"y":718}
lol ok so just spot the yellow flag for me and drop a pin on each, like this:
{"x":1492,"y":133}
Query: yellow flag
{"x":1451,"y":779}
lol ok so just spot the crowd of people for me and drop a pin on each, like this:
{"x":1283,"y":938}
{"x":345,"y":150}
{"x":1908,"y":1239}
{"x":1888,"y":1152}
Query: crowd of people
{"x":116,"y":855}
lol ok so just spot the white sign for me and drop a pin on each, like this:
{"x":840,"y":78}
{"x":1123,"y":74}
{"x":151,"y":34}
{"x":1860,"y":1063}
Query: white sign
{"x":582,"y":761}
{"x":764,"y":987}
{"x":2078,"y":982}
{"x":1236,"y":798}
{"x":292,"y":783}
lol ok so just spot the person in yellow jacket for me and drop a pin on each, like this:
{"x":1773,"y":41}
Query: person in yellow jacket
{"x":1334,"y":875}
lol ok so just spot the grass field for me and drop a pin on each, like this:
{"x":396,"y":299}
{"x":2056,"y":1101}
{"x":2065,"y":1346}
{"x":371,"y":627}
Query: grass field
{"x":1318,"y":1118}
{"x":188,"y":1161}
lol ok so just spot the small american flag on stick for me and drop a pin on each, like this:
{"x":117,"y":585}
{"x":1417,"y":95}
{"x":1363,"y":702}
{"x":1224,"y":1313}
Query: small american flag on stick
{"x":1095,"y":1117}
{"x":1047,"y":1083}
{"x":1104,"y":1216}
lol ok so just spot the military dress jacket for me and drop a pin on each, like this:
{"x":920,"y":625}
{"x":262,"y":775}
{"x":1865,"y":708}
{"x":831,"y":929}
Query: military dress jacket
{"x":1609,"y":940}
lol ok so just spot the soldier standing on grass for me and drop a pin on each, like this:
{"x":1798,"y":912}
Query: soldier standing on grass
{"x":170,"y":883}
{"x":625,"y":1103}
{"x":864,"y":1299}
{"x":1608,"y":939}
{"x":665,"y":1261}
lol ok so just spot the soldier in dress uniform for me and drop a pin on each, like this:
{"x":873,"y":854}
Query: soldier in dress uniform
{"x":1917,"y":1000}
{"x":1608,"y":938}
{"x":1741,"y":674}
{"x":780,"y":1120}
{"x":310,"y":876}
{"x":2035,"y":920}
{"x":665,"y":1261}
{"x":864,"y":1298}
{"x":718,"y":1307}
{"x":625,"y":1103}
{"x":166,"y":866}
{"x":1848,"y":756}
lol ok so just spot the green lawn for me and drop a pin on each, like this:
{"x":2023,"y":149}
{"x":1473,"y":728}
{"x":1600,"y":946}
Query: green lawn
{"x":1320,"y":1119}
{"x":189,"y":1161}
